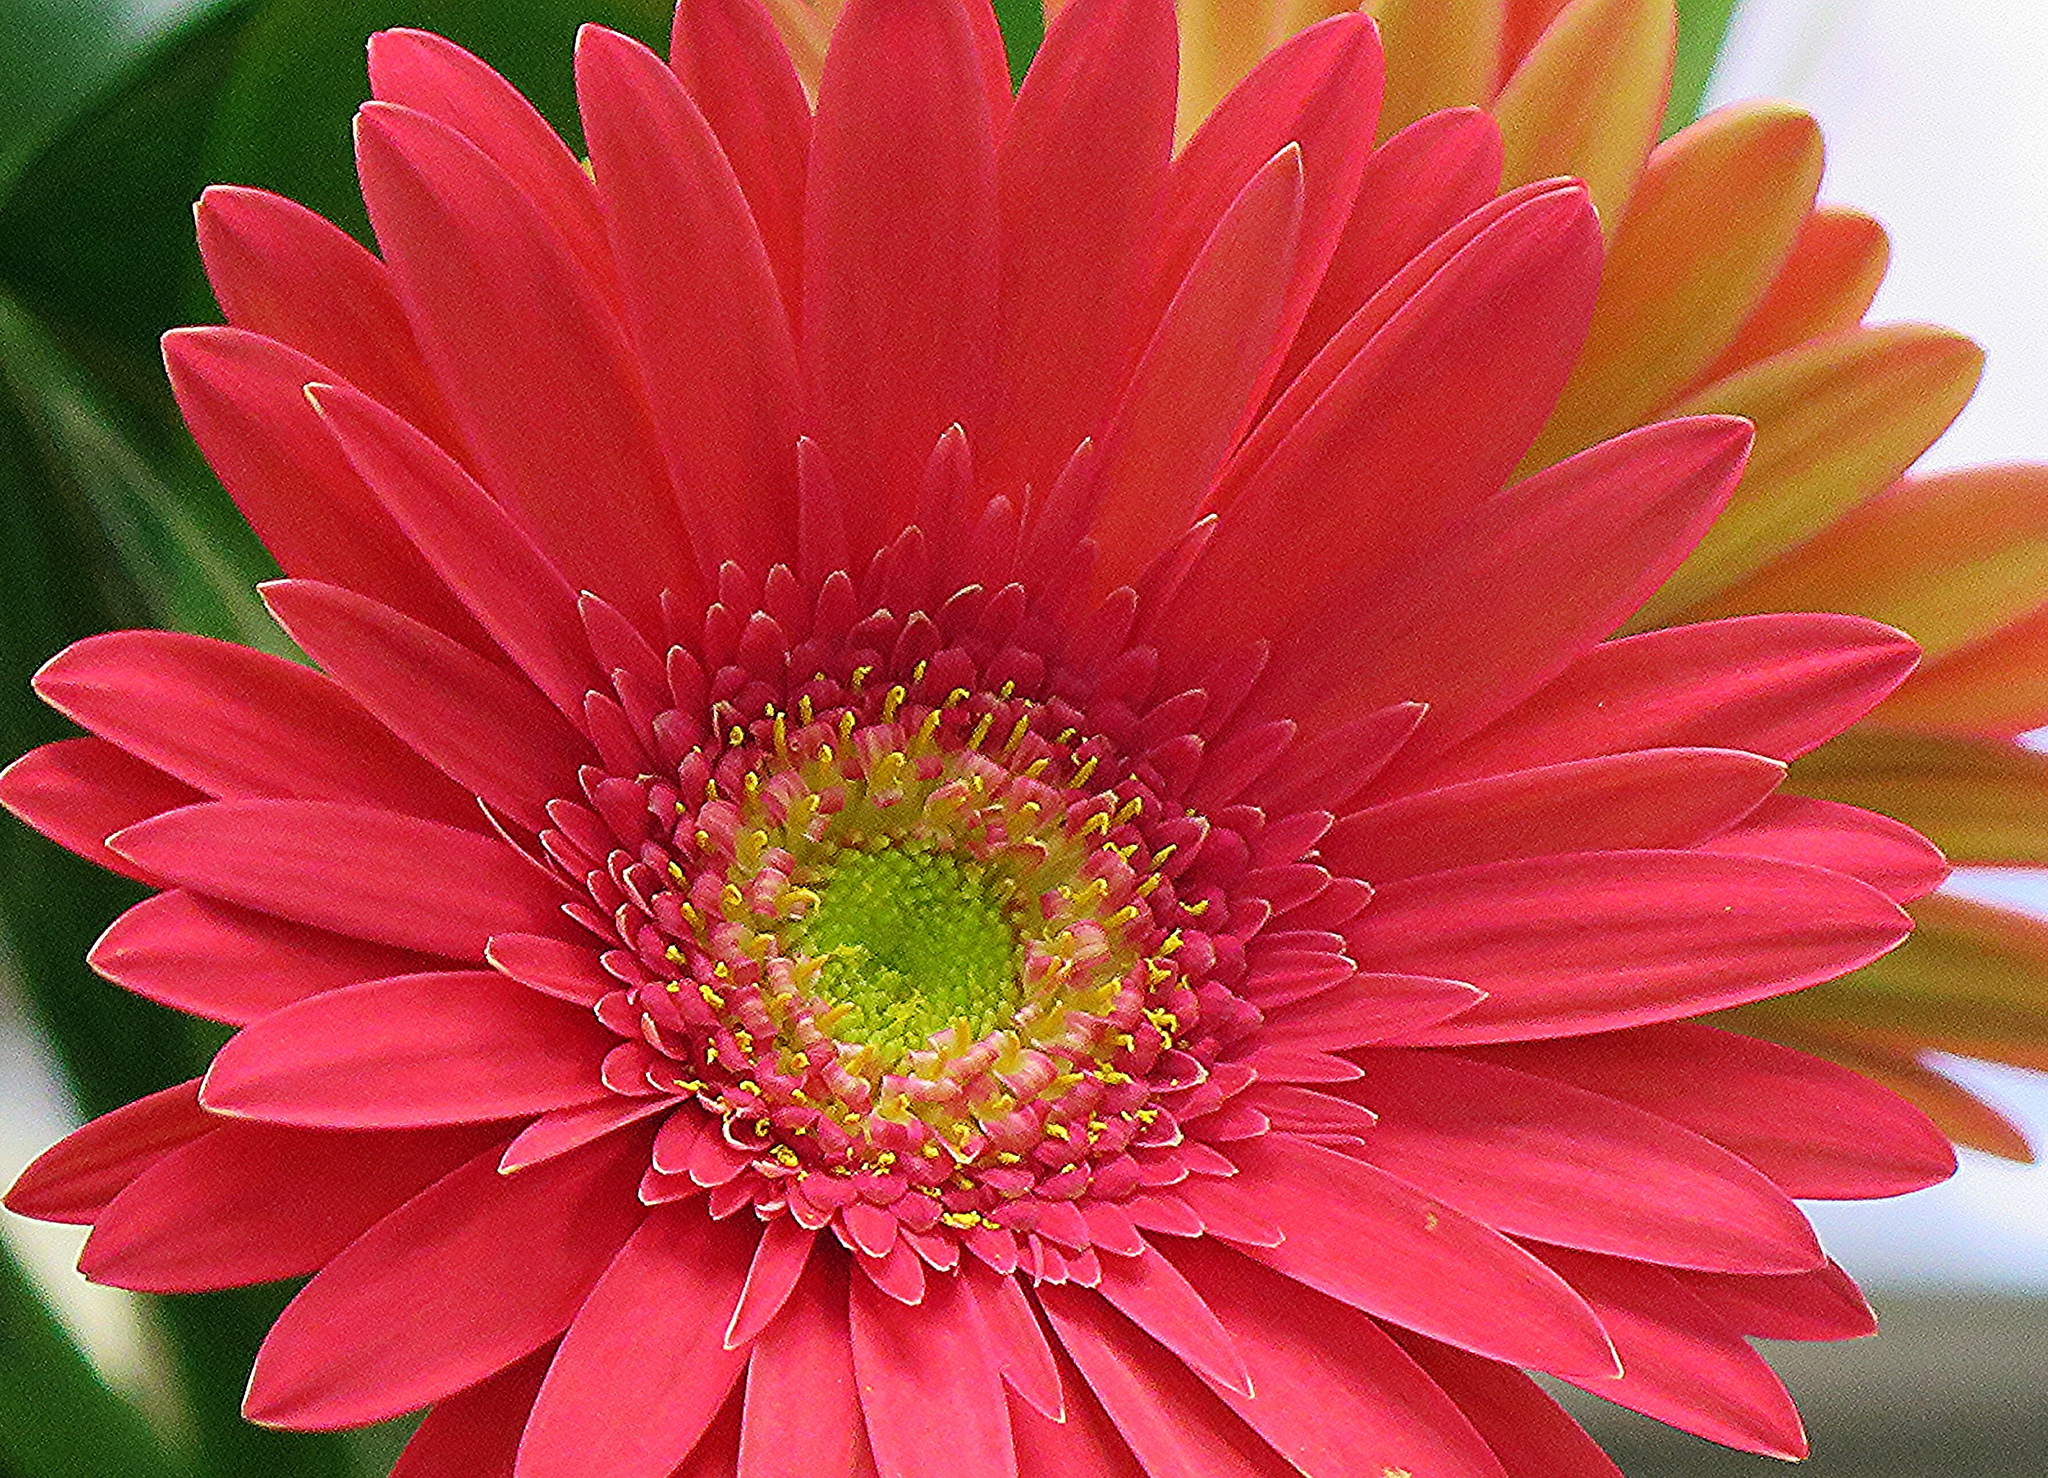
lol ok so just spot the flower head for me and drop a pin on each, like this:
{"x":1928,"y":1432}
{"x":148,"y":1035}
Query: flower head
{"x":956,"y":817}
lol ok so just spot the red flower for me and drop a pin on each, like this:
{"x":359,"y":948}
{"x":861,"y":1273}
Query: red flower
{"x":1065,"y":880}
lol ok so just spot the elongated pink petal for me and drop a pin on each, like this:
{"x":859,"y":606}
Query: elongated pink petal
{"x":369,"y":874}
{"x":1597,"y":940}
{"x":1814,"y":1127}
{"x":75,"y":1178}
{"x":1398,"y":443}
{"x":1165,"y":1414}
{"x":1193,"y":390}
{"x":251,"y":1203}
{"x":1680,"y":1362}
{"x":468,"y":248}
{"x":803,"y":1414}
{"x":434,"y":76}
{"x":1017,"y":1340}
{"x":1822,"y":1304}
{"x":1530,"y":1434}
{"x":1359,"y":1009}
{"x":79,"y":792}
{"x":1154,"y":1295}
{"x":642,"y":1371}
{"x":230,"y":964}
{"x":900,"y":242}
{"x":513,"y":587}
{"x":1362,"y":1237}
{"x":1773,"y":685}
{"x":1538,"y":1159}
{"x":568,"y":972}
{"x":1335,"y":1395}
{"x":468,"y":1276}
{"x":475,"y":1433}
{"x":283,"y":272}
{"x":779,"y":1260}
{"x":1643,"y":799}
{"x":238,"y":724}
{"x":450,"y":1048}
{"x":1075,"y":224}
{"x":737,"y":71}
{"x":1888,"y":855}
{"x":243,"y":399}
{"x":1086,"y":1442}
{"x":561,"y":1130}
{"x":701,"y":303}
{"x":484,"y":727}
{"x":930,"y":1390}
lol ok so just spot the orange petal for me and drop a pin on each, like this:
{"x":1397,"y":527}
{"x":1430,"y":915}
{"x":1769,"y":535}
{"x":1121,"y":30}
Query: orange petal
{"x":1718,"y":209}
{"x":1523,"y":25}
{"x":1220,"y":42}
{"x":1947,"y":559}
{"x":1588,"y":99}
{"x":1836,"y":421}
{"x":1996,"y":687}
{"x":1983,"y":802}
{"x":1440,"y":54}
{"x":1824,"y":287}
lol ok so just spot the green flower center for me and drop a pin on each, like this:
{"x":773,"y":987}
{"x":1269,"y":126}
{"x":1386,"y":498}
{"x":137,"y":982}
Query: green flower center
{"x":912,"y":941}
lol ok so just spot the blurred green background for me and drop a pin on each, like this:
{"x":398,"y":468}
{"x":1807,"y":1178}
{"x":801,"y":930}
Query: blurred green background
{"x":113,"y":115}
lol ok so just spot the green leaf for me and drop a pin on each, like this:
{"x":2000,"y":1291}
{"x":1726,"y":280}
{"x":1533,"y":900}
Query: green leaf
{"x":1023,"y":23}
{"x":57,"y":1419}
{"x":1702,"y":30}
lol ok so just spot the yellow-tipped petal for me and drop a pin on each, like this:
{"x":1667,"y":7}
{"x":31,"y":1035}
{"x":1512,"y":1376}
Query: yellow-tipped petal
{"x":1711,"y":224}
{"x":1983,"y":802}
{"x":1440,"y":54}
{"x":1588,"y":99}
{"x":1996,"y":686}
{"x":1837,"y":421}
{"x":1947,"y":559}
{"x":1825,"y":286}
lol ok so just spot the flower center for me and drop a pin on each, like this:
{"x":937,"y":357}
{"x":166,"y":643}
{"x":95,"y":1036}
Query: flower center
{"x":913,"y":940}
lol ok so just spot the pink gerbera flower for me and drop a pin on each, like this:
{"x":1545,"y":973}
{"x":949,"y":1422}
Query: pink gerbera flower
{"x":1065,"y":879}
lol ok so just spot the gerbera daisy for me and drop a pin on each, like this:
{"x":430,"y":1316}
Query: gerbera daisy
{"x":933,"y":835}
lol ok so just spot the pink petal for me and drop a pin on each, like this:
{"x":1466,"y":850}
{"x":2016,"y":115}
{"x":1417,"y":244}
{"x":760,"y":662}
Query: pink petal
{"x":930,"y":1391}
{"x":1822,"y":1304}
{"x":728,"y":55}
{"x":1814,"y":1127}
{"x":642,"y":1371}
{"x":1642,"y":800}
{"x":370,"y":874}
{"x":1086,"y":1442}
{"x":1417,"y":185}
{"x":568,"y":972}
{"x":780,"y":1258}
{"x":1194,"y":389}
{"x":900,"y":242}
{"x":452,"y":1048}
{"x":1159,"y":1407}
{"x":701,"y":304}
{"x":79,"y":792}
{"x":229,"y":964}
{"x":484,"y":727}
{"x":1153,"y":1294}
{"x":237,"y":723}
{"x":1773,"y":685}
{"x":561,"y":1130}
{"x":1335,"y":1395}
{"x":251,"y":1203}
{"x":803,"y":1415}
{"x":1530,"y":1434}
{"x":512,"y":586}
{"x":283,"y":272}
{"x":1016,"y":1339}
{"x":1364,"y":1238}
{"x":243,"y":399}
{"x":424,"y":72}
{"x":529,"y":354}
{"x":1538,"y":1159}
{"x":1890,"y":856}
{"x":1681,"y":1362}
{"x":475,"y":1433}
{"x":75,"y":1178}
{"x":1425,"y":422}
{"x":1075,"y":223}
{"x":468,"y":1276}
{"x":1596,"y":940}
